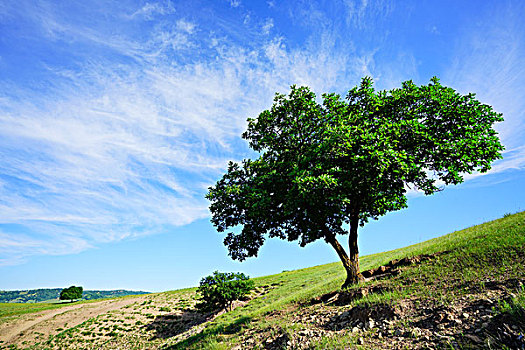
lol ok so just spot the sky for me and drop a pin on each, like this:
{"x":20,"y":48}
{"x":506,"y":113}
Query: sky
{"x":116,"y":116}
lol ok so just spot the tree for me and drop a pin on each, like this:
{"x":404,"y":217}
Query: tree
{"x":343,"y":162}
{"x":218,"y":291}
{"x":71,"y":293}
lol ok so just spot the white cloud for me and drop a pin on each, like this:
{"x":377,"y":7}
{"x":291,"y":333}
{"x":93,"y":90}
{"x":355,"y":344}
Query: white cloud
{"x":489,"y":62}
{"x":235,"y":3}
{"x":118,"y":149}
{"x":268,"y":25}
{"x":363,"y":13}
{"x":150,"y":10}
{"x":125,"y":143}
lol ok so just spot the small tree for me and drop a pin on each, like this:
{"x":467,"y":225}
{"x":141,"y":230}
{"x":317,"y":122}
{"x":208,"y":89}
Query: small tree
{"x":218,"y":291}
{"x":71,"y":293}
{"x":343,"y":162}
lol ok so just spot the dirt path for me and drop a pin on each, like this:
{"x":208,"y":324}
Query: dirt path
{"x":42,"y":324}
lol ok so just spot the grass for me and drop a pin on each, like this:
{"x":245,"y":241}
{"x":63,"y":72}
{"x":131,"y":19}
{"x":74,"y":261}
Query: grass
{"x":515,"y":307}
{"x":15,"y":309}
{"x":488,"y":252}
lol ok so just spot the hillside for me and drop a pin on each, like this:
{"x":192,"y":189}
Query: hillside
{"x":464,"y":290}
{"x":53,"y":294}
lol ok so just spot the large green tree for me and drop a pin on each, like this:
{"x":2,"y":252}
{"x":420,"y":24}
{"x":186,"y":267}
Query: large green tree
{"x":71,"y":293}
{"x":341,"y":162}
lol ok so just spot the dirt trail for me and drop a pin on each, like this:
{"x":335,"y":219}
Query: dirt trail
{"x":42,"y":324}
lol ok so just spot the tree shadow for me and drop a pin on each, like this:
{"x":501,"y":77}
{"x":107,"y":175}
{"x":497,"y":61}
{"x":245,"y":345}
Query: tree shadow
{"x":230,"y":328}
{"x":171,"y":325}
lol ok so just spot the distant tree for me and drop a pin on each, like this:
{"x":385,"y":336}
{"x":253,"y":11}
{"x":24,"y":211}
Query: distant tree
{"x":218,"y":291}
{"x":71,"y":293}
{"x":322,"y":166}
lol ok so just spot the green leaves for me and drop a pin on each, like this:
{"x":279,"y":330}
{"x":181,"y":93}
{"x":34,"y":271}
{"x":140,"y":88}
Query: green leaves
{"x":321,"y":163}
{"x":220,"y":289}
{"x":71,"y":293}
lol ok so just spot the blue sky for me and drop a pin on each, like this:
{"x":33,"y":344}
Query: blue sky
{"x":115,"y":117}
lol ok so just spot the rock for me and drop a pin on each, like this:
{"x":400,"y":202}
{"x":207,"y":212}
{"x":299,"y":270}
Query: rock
{"x":416,"y":332}
{"x":474,"y":338}
{"x":371,"y":323}
{"x":367,"y":274}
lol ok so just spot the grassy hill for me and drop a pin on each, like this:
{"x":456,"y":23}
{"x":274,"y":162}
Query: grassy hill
{"x":53,"y":294}
{"x":464,"y":290}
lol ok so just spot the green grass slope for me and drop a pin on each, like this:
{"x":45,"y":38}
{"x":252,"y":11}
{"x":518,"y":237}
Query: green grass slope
{"x":470,"y":296}
{"x":490,"y":252}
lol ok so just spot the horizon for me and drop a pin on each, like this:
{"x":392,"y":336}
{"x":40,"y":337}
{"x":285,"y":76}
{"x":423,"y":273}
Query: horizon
{"x":115,"y":118}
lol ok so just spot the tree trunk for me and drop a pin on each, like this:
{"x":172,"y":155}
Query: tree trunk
{"x":355,"y":275}
{"x":351,"y":264}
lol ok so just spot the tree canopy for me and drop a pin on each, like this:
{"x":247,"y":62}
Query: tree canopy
{"x":71,"y":293}
{"x":344,"y":161}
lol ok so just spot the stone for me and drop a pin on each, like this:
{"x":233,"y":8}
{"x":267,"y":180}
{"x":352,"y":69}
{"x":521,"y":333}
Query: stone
{"x":344,"y":314}
{"x":371,"y":323}
{"x":474,"y":338}
{"x":416,"y":332}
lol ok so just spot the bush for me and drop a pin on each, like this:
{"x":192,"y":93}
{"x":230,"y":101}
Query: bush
{"x":218,"y":291}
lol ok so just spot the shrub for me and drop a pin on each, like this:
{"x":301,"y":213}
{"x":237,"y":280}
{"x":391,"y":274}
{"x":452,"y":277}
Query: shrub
{"x":218,"y":291}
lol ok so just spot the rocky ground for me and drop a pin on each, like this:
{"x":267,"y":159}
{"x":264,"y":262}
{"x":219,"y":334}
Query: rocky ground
{"x":477,"y":319}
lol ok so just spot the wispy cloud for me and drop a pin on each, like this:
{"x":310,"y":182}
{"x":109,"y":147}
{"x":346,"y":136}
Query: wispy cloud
{"x":143,"y":107}
{"x":120,"y":148}
{"x":150,"y":10}
{"x":489,"y":61}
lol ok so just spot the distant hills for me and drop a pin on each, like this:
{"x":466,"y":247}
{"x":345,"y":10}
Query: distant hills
{"x":52,"y":294}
